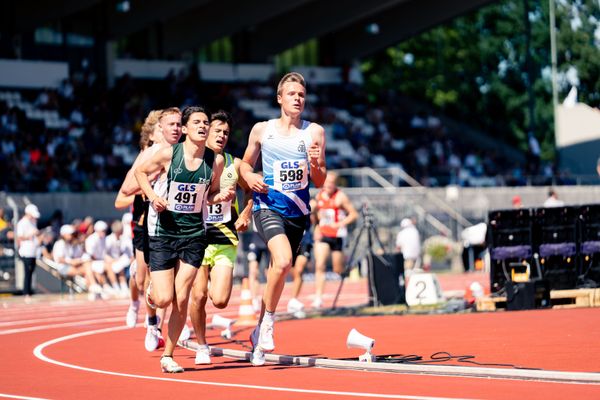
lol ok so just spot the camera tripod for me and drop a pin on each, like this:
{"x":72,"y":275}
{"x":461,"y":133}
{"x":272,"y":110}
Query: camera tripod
{"x":368,"y":227}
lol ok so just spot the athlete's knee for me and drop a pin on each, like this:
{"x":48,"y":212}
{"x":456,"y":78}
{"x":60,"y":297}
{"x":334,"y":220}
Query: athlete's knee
{"x":199,"y":298}
{"x":282,"y":263}
{"x":220,"y":303}
{"x":162,"y":300}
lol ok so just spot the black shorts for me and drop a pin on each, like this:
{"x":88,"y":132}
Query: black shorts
{"x":165,"y":251}
{"x":256,"y":253}
{"x":335,"y":244}
{"x":269,"y":224}
{"x":140,"y":241}
{"x":305,"y":249}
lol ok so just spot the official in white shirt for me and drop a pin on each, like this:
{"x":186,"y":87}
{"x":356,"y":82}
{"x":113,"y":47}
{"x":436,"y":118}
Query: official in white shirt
{"x":28,"y":244}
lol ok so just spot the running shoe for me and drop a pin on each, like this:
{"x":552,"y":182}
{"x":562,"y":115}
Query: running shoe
{"x":149,"y":300}
{"x":167,"y":364}
{"x":265,"y":339}
{"x":152,"y":338}
{"x":132,"y":314}
{"x":185,"y":333}
{"x":258,"y":356}
{"x":317,"y":303}
{"x":202,"y":355}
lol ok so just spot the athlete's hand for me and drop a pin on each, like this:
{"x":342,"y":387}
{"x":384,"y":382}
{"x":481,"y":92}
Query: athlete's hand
{"x":242,"y":224}
{"x":257,"y":184}
{"x":159,"y":204}
{"x":225,"y":194}
{"x":314,"y":153}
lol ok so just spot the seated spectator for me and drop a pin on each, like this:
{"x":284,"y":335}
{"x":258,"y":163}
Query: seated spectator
{"x":67,"y":258}
{"x":95,"y":250}
{"x":553,"y":200}
{"x":118,"y":256}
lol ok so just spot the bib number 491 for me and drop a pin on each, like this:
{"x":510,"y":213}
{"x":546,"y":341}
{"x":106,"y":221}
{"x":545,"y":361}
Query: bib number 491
{"x":186,"y":197}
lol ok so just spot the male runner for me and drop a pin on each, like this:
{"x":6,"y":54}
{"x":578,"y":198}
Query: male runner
{"x":176,"y":231}
{"x":291,"y":149}
{"x":223,"y":222}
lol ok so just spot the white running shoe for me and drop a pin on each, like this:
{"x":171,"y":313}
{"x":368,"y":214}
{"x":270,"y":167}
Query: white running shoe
{"x":258,"y":356}
{"x":167,"y":364}
{"x":265,"y":339}
{"x":151,"y":341}
{"x":294,"y":305}
{"x":317,"y":303}
{"x":132,"y":314}
{"x":185,"y":333}
{"x":202,"y":355}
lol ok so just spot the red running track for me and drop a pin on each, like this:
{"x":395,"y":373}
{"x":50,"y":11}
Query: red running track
{"x":78,"y":349}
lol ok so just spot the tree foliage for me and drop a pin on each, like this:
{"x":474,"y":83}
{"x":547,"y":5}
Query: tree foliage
{"x":477,"y":68}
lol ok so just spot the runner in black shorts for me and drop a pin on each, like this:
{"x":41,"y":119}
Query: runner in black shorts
{"x":190,"y":177}
{"x":292,"y":151}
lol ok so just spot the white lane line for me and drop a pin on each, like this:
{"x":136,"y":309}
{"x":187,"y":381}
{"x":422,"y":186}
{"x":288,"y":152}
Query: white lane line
{"x":38,"y":352}
{"x":63,"y":325}
{"x":14,"y":396}
{"x":64,"y":317}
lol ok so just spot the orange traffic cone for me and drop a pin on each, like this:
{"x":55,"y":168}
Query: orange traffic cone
{"x":246,"y":316}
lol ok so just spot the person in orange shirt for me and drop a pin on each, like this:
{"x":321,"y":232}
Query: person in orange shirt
{"x":334,"y":213}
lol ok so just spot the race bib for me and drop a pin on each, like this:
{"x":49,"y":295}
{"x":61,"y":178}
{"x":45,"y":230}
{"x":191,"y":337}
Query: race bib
{"x":219,"y":212}
{"x":290,"y":175}
{"x":186,"y":197}
{"x":326,"y":216}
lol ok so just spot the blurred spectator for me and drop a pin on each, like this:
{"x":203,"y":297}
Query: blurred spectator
{"x":553,"y":200}
{"x":67,"y":254}
{"x":408,"y":242}
{"x":28,"y":244}
{"x":516,"y":201}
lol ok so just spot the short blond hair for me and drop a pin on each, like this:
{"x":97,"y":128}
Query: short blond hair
{"x":168,"y":111}
{"x":290,"y":77}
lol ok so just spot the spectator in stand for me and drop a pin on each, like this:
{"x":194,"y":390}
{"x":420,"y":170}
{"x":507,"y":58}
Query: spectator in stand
{"x":119,"y":256}
{"x":67,"y":257}
{"x":95,"y":250}
{"x":553,"y":200}
{"x":516,"y":201}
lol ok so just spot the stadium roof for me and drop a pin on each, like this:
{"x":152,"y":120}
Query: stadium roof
{"x":347,"y":29}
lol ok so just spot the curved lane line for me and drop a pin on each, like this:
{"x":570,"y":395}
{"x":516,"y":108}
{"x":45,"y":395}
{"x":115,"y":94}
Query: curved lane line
{"x":38,"y":352}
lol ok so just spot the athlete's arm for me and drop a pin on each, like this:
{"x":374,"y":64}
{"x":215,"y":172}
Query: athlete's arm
{"x":316,"y":156}
{"x":243,"y":222}
{"x":216,"y":194}
{"x":314,"y":219}
{"x":254,"y":180}
{"x":130,"y":184}
{"x":346,"y":205}
{"x":123,"y":201}
{"x":155,"y":165}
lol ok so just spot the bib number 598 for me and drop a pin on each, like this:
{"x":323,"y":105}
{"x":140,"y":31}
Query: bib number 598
{"x":291,"y":175}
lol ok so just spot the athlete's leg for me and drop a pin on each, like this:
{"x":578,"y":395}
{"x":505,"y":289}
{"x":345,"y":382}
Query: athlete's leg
{"x":198,"y":304}
{"x":322,"y":252}
{"x":253,"y":276}
{"x":338,"y":260}
{"x":221,"y":282}
{"x":299,"y":266}
{"x":281,"y":262}
{"x":162,"y":292}
{"x":184,"y":278}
